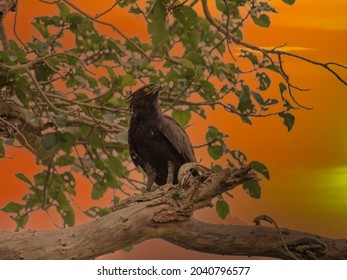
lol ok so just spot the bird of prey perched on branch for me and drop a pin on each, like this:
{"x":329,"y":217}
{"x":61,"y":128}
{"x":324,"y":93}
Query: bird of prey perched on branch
{"x":157,"y":142}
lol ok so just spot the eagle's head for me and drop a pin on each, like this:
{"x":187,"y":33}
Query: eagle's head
{"x":146,"y":95}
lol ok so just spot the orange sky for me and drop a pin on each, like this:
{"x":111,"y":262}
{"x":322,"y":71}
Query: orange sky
{"x":308,"y":166}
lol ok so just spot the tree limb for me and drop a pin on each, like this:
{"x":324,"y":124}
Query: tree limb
{"x":251,"y":241}
{"x":167,"y":214}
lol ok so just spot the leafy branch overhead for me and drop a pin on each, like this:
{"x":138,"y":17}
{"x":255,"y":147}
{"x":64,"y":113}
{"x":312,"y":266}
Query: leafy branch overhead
{"x":64,"y":93}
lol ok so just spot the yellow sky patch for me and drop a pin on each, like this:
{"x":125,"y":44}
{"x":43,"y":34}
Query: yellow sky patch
{"x":313,"y":13}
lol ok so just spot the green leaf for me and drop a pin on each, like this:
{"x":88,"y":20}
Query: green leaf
{"x":23,"y":178}
{"x":288,"y":120}
{"x":43,"y":72}
{"x":98,"y":191}
{"x":195,"y":57}
{"x":115,"y":165}
{"x":39,"y":178}
{"x":186,"y":16}
{"x":49,"y":140}
{"x":217,"y":147}
{"x":246,"y":120}
{"x":64,"y":10}
{"x":252,"y":58}
{"x":289,"y":2}
{"x":95,"y":141}
{"x":264,"y":81}
{"x":75,"y":19}
{"x":208,"y":90}
{"x":42,"y":29}
{"x":220,"y":4}
{"x":21,"y":220}
{"x":239,"y":156}
{"x":32,"y":200}
{"x":282,"y":87}
{"x":258,"y":97}
{"x":61,"y":120}
{"x":245,"y":102}
{"x":70,"y":182}
{"x":65,"y":160}
{"x":273,"y":68}
{"x":261,"y":168}
{"x":157,"y":27}
{"x":222,"y":208}
{"x":263,"y":20}
{"x":213,"y":133}
{"x":2,"y":149}
{"x":270,"y":101}
{"x":215,"y":151}
{"x":126,"y":80}
{"x":188,"y":64}
{"x":182,"y":117}
{"x":252,"y":188}
{"x":68,"y":217}
{"x":14,"y":46}
{"x":66,"y":141}
{"x":64,"y":209}
{"x":104,"y":81}
{"x":125,"y":3}
{"x":216,"y":168}
{"x":12,"y":207}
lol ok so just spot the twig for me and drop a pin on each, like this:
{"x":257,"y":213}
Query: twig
{"x":179,"y":96}
{"x":47,"y":2}
{"x":50,"y":217}
{"x":227,"y":29}
{"x":3,"y":37}
{"x":206,"y":144}
{"x":268,"y":219}
{"x":85,"y":171}
{"x":26,"y":143}
{"x":237,"y":40}
{"x":108,"y":10}
{"x":15,"y":28}
{"x":46,"y":183}
{"x":43,"y":94}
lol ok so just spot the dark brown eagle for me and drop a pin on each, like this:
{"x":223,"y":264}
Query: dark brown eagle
{"x":157,"y":142}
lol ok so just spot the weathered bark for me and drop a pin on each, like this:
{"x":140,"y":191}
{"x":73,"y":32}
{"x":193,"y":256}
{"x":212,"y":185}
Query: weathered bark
{"x":7,"y":6}
{"x":167,"y":214}
{"x":252,"y":241}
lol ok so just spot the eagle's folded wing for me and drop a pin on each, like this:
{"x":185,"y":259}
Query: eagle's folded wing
{"x":178,"y":138}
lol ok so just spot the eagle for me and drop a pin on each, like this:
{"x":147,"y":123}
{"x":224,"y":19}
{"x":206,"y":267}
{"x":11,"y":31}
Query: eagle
{"x":157,"y":143}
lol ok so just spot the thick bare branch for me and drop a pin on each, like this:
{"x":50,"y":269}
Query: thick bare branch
{"x":251,"y":241}
{"x":166,"y":213}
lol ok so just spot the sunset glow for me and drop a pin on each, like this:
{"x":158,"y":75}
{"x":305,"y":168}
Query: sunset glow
{"x":308,"y":166}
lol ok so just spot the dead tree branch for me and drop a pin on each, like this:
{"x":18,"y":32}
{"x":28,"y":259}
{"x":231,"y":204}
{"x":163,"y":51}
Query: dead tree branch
{"x":167,"y":214}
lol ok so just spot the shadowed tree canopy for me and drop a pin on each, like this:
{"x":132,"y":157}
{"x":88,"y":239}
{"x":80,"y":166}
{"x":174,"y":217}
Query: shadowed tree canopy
{"x":64,"y":97}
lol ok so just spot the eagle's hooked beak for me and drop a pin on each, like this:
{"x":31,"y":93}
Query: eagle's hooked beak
{"x":156,"y":89}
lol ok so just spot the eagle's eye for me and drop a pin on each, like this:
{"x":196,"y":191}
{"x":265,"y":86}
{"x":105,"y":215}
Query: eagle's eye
{"x":147,"y":89}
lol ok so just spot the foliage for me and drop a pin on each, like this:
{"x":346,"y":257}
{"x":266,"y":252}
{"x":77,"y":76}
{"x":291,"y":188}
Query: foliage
{"x":72,"y":83}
